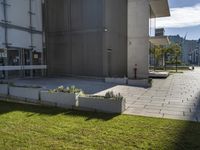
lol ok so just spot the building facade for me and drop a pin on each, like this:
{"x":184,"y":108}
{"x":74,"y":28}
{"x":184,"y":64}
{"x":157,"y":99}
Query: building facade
{"x":190,"y":48}
{"x":21,"y":38}
{"x":100,"y":38}
{"x":194,"y":54}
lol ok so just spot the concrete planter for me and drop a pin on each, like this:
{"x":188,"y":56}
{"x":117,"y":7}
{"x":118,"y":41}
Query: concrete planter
{"x":122,"y":81}
{"x":158,"y":74}
{"x":65,"y":100}
{"x":101,"y":104}
{"x":3,"y":89}
{"x":27,"y":93}
{"x":141,"y":83}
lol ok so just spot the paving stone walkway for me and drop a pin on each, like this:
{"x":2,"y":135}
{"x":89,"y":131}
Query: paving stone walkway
{"x":177,"y":97}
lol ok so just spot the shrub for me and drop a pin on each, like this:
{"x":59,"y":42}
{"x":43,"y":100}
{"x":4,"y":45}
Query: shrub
{"x":71,"y":89}
{"x":150,"y":81}
{"x":111,"y":95}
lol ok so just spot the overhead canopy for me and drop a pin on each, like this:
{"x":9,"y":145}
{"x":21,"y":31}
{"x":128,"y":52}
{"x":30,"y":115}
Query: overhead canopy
{"x":159,"y":40}
{"x":159,"y":8}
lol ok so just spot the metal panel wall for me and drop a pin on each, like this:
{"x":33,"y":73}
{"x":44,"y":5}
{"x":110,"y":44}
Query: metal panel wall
{"x":19,"y":39}
{"x":76,"y":39}
{"x":37,"y":17}
{"x":87,"y":32}
{"x":58,"y":39}
{"x":1,"y":11}
{"x":18,"y":12}
{"x":57,"y":16}
{"x":116,"y":38}
{"x":24,"y":19}
{"x":2,"y":39}
{"x":37,"y":44}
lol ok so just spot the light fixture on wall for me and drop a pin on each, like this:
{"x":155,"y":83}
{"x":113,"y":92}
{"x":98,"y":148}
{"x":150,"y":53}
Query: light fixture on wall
{"x":105,"y":30}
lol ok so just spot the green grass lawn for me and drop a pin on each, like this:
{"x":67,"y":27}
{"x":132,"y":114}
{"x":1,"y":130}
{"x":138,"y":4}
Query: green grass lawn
{"x":34,"y":127}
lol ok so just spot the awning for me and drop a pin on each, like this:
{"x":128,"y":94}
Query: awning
{"x":159,"y":40}
{"x":159,"y":8}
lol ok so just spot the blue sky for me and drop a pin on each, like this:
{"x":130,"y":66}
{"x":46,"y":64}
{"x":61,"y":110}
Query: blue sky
{"x":185,"y":19}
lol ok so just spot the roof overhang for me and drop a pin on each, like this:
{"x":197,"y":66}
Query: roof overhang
{"x":159,"y":8}
{"x":159,"y":40}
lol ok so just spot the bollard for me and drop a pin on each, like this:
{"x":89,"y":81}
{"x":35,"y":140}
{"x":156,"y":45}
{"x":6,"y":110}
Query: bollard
{"x":135,"y":71}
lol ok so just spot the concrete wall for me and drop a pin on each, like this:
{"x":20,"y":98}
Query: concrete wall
{"x":138,"y":37}
{"x":77,"y":41}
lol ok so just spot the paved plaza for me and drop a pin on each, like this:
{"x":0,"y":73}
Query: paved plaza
{"x":177,"y":97}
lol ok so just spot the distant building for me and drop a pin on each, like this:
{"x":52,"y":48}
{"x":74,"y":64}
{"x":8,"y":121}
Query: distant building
{"x":160,"y":32}
{"x":194,"y":55}
{"x":189,"y":49}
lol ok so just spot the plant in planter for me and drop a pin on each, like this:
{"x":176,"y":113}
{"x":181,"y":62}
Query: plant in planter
{"x":71,"y":89}
{"x":111,"y":95}
{"x":150,"y":81}
{"x":112,"y":103}
{"x":61,"y":96}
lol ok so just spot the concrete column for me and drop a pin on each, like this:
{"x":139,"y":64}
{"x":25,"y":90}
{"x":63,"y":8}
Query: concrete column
{"x":138,"y":38}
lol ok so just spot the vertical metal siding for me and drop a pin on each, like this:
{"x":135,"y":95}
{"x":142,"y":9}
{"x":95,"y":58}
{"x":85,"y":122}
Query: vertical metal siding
{"x":116,"y":37}
{"x":75,"y":36}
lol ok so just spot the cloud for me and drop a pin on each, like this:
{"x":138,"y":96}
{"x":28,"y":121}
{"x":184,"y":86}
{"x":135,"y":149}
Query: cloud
{"x":181,"y":17}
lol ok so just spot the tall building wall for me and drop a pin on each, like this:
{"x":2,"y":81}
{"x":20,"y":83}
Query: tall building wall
{"x":21,"y":38}
{"x":116,"y":37}
{"x":21,"y":24}
{"x":58,"y":37}
{"x":81,"y":34}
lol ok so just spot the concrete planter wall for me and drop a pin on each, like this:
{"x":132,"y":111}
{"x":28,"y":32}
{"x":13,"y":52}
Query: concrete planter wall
{"x":140,"y":83}
{"x":25,"y":93}
{"x":122,"y":81}
{"x":65,"y":100}
{"x":4,"y":89}
{"x":101,"y":104}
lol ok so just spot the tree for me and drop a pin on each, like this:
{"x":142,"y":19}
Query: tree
{"x":175,"y":51}
{"x":159,"y":53}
